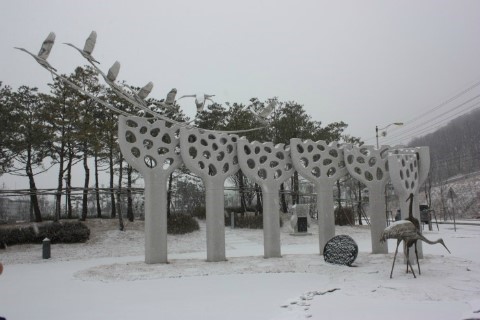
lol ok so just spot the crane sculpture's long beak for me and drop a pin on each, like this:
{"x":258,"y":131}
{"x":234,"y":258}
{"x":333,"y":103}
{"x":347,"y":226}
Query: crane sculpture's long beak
{"x":446,"y":248}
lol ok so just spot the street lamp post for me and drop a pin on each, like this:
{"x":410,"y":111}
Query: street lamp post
{"x":384,"y":133}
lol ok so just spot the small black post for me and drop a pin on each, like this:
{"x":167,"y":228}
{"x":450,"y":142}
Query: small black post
{"x":46,"y":249}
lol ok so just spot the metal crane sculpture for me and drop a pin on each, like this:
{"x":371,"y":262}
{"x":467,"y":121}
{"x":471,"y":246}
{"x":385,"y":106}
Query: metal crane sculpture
{"x":88,"y":47}
{"x":200,"y":99}
{"x":44,"y":52}
{"x":407,"y":232}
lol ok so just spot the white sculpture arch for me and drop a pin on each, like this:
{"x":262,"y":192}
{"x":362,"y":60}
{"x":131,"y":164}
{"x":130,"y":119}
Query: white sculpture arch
{"x":213,"y":157}
{"x":322,"y":164}
{"x":370,"y":166}
{"x":269,"y":166}
{"x":154,"y":150}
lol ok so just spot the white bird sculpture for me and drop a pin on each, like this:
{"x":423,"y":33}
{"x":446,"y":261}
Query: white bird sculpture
{"x":406,"y":231}
{"x":44,"y":52}
{"x":265,"y":112}
{"x":200,"y":99}
{"x":113,"y":73}
{"x":170,"y":100}
{"x":145,"y":91}
{"x":88,"y":48}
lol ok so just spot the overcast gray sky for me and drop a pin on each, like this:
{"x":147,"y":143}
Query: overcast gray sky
{"x":366,"y":63}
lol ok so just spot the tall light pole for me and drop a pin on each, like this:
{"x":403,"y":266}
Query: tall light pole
{"x":384,"y":133}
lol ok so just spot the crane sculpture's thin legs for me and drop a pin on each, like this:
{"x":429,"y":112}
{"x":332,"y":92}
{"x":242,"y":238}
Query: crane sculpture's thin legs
{"x":416,"y":255}
{"x":394,"y":257}
{"x":408,"y":262}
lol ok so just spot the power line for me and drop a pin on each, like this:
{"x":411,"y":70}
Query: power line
{"x":445,"y":102}
{"x":412,"y":132}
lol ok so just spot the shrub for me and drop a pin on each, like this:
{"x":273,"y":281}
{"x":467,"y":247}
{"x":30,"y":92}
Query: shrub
{"x":199,"y":212}
{"x":57,"y":232}
{"x":247,"y":221}
{"x":181,"y":224}
{"x":344,"y":217}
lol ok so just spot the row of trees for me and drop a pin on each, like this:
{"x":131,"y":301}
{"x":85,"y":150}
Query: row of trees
{"x":64,"y":127}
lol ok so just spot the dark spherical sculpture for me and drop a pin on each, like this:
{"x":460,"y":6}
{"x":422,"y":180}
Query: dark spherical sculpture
{"x":341,"y":249}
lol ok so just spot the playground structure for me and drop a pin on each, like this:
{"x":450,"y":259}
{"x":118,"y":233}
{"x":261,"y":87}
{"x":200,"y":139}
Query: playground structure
{"x":157,"y":145}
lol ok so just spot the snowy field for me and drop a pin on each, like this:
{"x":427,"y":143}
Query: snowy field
{"x":106,"y":278}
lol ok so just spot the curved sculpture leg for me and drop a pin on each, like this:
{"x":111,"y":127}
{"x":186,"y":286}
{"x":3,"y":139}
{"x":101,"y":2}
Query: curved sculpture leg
{"x":378,"y":221}
{"x":155,"y":220}
{"x":214,"y":207}
{"x":326,"y":218}
{"x":271,"y":225}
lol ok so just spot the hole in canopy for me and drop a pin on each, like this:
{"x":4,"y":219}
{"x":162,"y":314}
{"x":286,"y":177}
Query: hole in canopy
{"x":331,"y":172}
{"x":212,"y":171}
{"x":327,"y":162}
{"x":148,"y":144}
{"x":304,"y":162}
{"x":246,"y":149}
{"x":316,"y":172}
{"x":368,"y":176}
{"x":263,"y":159}
{"x":262,"y":174}
{"x":166,"y":138}
{"x":132,"y":124}
{"x":280,"y":155}
{"x":268,"y":149}
{"x":316,"y":157}
{"x":130,"y":136}
{"x":251,"y":163}
{"x":154,"y":132}
{"x":150,"y":161}
{"x":277,"y":174}
{"x":226,"y":167}
{"x":379,"y":174}
{"x":192,"y":138}
{"x":273,"y":164}
{"x":300,"y":148}
{"x":333,"y":153}
{"x":135,"y":152}
{"x":143,"y":130}
{"x":220,"y":156}
{"x":161,"y":151}
{"x":167,"y":163}
{"x":192,"y":152}
{"x":310,"y":148}
{"x":257,"y":150}
{"x":203,"y":142}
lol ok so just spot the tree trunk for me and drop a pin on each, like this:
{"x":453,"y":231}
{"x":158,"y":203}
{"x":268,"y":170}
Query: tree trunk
{"x":258,"y":191}
{"x":130,"y":214}
{"x":33,"y":191}
{"x":58,"y":196}
{"x":359,"y":208}
{"x":121,"y":226}
{"x":68,"y":190}
{"x":241,"y":185}
{"x":169,"y":194}
{"x":113,"y":213}
{"x":97,"y":190}
{"x":282,"y":199}
{"x":85,"y":185}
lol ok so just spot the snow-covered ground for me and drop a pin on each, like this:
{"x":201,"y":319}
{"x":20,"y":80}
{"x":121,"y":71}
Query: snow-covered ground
{"x":106,"y":278}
